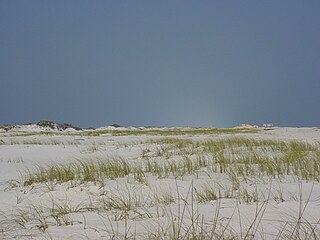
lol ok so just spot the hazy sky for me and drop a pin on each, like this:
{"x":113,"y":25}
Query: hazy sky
{"x":164,"y":63}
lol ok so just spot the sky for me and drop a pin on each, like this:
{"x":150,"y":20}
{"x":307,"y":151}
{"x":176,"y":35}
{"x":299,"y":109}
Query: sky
{"x":160,"y":63}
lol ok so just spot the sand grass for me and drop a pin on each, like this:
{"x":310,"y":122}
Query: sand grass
{"x":127,"y":190}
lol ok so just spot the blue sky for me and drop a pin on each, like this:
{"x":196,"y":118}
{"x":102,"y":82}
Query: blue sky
{"x":160,"y":63}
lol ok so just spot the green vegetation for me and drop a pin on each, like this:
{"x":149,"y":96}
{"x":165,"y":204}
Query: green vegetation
{"x":171,"y":132}
{"x":49,"y":124}
{"x":80,"y":171}
{"x":244,"y":157}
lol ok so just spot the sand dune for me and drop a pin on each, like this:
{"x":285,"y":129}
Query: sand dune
{"x":159,"y":183}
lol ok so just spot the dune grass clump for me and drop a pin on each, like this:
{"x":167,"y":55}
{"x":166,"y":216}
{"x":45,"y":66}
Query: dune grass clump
{"x":244,"y":156}
{"x":125,"y":201}
{"x":207,"y":193}
{"x":248,"y":157}
{"x":89,"y":171}
{"x":83,"y":171}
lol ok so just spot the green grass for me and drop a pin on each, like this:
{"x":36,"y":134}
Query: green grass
{"x":245,"y":157}
{"x":83,"y":171}
{"x":170,"y":132}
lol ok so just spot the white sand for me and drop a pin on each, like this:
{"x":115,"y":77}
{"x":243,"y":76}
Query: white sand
{"x":19,"y":153}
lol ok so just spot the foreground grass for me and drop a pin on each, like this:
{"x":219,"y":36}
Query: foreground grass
{"x":175,"y":216}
